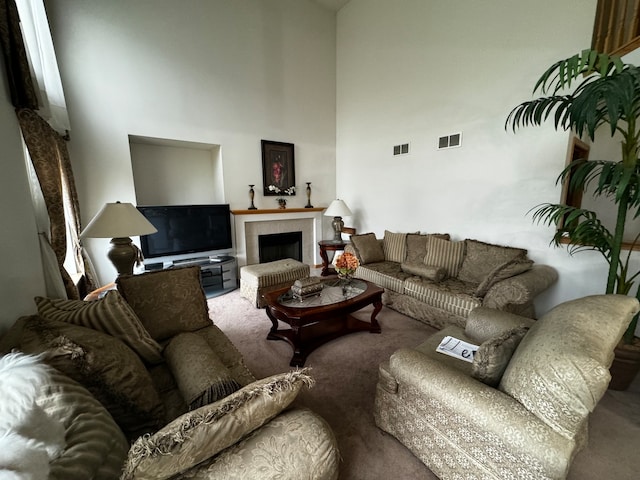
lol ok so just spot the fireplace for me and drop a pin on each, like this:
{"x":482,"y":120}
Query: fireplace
{"x":278,"y":246}
{"x":250,"y":224}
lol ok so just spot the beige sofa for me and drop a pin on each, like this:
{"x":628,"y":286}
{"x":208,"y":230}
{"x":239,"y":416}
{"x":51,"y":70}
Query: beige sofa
{"x":504,"y":416}
{"x":146,"y":387}
{"x":439,"y":282}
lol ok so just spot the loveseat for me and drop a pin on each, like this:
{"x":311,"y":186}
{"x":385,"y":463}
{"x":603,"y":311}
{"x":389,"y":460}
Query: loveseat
{"x":145,"y":386}
{"x":520,"y":408}
{"x":438,"y":281}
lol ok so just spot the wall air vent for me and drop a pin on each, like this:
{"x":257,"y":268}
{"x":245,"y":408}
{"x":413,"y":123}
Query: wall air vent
{"x":450,"y":141}
{"x":402,"y":149}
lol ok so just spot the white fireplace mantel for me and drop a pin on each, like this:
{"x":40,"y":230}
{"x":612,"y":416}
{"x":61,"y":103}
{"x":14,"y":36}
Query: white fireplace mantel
{"x":249,"y":224}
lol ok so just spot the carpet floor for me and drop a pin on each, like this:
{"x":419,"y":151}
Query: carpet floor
{"x":346,"y":372}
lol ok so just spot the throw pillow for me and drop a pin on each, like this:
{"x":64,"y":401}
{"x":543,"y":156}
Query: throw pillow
{"x":167,"y":302}
{"x":481,"y":258}
{"x":394,"y":246}
{"x":30,"y":438}
{"x":201,"y":376}
{"x":502,"y":272}
{"x":110,"y":315}
{"x":493,"y":356}
{"x":368,"y":248}
{"x":437,"y":274}
{"x":200,"y":434}
{"x":417,"y":246}
{"x":109,"y":369}
{"x":446,"y":254}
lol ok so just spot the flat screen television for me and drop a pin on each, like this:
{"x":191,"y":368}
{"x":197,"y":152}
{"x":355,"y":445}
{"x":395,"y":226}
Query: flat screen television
{"x":186,"y":229}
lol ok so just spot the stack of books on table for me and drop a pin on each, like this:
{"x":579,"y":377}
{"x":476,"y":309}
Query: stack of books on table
{"x":306,"y":287}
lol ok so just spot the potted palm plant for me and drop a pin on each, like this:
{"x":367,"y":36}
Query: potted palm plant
{"x":583,"y":93}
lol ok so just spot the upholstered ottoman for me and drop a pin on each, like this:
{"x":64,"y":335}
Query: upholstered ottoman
{"x":255,"y":280}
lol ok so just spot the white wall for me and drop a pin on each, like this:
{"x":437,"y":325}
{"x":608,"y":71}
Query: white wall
{"x":177,"y":175}
{"x":413,"y":70}
{"x":21,"y":275}
{"x":217,"y":72}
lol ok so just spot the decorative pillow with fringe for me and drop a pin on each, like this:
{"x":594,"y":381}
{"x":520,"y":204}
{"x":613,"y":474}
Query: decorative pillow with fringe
{"x":202,"y":433}
{"x":201,"y":376}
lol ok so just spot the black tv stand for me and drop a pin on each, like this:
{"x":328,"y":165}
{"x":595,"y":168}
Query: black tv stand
{"x":218,"y":275}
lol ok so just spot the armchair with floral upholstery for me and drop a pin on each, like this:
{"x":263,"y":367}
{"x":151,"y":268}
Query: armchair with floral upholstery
{"x":520,"y":409}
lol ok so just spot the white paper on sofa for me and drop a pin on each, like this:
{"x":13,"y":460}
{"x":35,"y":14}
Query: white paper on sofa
{"x":457,"y":348}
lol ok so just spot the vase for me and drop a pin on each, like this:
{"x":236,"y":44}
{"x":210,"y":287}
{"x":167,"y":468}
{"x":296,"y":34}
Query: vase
{"x":282,"y":203}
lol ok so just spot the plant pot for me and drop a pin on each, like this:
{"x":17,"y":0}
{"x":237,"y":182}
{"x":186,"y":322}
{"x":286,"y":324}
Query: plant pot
{"x":625,"y":366}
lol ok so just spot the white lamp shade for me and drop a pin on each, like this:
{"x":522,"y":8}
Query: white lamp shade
{"x":117,"y":220}
{"x":338,"y":209}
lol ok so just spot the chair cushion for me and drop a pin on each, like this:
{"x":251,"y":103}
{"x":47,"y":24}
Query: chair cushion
{"x":561,"y":368}
{"x":201,"y":376}
{"x":109,"y":369}
{"x":446,"y":254}
{"x":368,"y":248}
{"x":167,"y":302}
{"x":394,"y":246}
{"x":492,"y":357}
{"x":110,"y":314}
{"x":481,"y":258}
{"x":200,"y":434}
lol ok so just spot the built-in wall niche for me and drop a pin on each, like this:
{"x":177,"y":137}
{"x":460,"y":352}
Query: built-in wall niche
{"x":175,"y":172}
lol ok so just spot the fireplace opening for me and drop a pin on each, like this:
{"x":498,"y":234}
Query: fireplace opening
{"x":278,"y":246}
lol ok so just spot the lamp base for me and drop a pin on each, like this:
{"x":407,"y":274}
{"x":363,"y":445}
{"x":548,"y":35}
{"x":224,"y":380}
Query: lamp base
{"x":337,"y":224}
{"x":123,"y":254}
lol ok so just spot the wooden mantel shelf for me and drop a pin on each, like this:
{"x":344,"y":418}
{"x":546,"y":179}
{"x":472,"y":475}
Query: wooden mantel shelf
{"x":277,"y":210}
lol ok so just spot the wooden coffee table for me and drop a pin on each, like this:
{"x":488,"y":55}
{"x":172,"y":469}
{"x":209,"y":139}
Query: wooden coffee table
{"x":317,"y":320}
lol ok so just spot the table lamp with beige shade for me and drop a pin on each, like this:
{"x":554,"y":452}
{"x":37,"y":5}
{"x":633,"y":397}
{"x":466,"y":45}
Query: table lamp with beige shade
{"x":337,"y":209}
{"x":119,"y":221}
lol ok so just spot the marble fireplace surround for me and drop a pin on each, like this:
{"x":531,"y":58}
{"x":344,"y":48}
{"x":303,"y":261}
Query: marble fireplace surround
{"x":249,"y":224}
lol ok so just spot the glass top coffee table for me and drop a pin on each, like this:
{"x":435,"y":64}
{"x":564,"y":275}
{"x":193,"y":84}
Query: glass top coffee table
{"x":319,"y":319}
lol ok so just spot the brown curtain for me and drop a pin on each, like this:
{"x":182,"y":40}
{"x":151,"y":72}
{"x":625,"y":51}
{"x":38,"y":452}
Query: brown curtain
{"x":46,"y":150}
{"x":23,"y":95}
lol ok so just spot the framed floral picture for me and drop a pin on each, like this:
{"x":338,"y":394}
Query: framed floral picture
{"x":278,"y":168}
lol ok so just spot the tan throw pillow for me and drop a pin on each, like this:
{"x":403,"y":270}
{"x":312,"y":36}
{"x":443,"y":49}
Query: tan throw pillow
{"x":111,"y":315}
{"x":394,"y":246}
{"x":445,"y":254}
{"x":167,"y":302}
{"x":491,"y":359}
{"x":417,"y":246}
{"x":502,"y":272}
{"x":481,"y":258}
{"x":200,"y":434}
{"x":105,"y":366}
{"x":201,"y":376}
{"x":368,"y":248}
{"x":437,"y":274}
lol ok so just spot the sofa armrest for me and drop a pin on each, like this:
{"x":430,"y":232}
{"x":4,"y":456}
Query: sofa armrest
{"x":485,"y":323}
{"x":520,"y":290}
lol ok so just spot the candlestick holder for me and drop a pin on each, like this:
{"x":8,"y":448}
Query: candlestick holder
{"x":308,"y":205}
{"x":251,"y":195}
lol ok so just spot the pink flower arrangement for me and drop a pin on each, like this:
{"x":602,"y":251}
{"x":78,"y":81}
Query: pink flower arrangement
{"x":347,"y":263}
